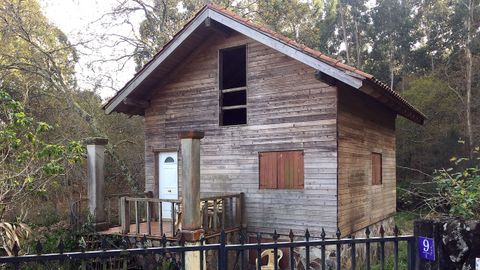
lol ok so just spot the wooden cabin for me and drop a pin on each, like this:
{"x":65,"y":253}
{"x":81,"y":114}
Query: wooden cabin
{"x":309,"y":140}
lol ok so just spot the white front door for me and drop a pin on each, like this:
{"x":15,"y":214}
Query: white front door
{"x":168,"y":177}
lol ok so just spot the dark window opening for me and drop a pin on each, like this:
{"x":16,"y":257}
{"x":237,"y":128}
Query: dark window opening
{"x":233,"y":86}
{"x":235,"y":98}
{"x":234,"y":66}
{"x":235,"y":117}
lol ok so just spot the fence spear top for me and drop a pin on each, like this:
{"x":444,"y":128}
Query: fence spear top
{"x":61,"y":246}
{"x":241,"y":237}
{"x":144,"y":241}
{"x":367,"y":232}
{"x":164,"y":240}
{"x":82,"y":244}
{"x":39,"y":247}
{"x":15,"y":248}
{"x":103,"y":244}
{"x":323,"y":234}
{"x":275,"y":236}
{"x":125,"y":242}
{"x":291,"y":235}
{"x":396,"y":231}
{"x":338,"y":233}
{"x":307,"y":235}
{"x":382,"y":230}
{"x":182,"y":239}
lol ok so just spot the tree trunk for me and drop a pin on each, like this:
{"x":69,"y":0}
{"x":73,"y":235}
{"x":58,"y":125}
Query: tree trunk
{"x":357,"y":44}
{"x":344,"y":30}
{"x":468,"y":77}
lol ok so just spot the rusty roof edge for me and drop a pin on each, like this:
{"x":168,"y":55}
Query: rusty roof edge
{"x":400,"y":100}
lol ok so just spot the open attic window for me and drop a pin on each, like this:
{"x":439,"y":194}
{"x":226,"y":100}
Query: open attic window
{"x":233,"y":86}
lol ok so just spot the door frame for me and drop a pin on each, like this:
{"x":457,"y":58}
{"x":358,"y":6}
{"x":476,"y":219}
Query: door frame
{"x":156,"y":153}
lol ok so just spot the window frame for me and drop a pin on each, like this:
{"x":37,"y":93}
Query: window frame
{"x":373,"y":181}
{"x":219,"y":83}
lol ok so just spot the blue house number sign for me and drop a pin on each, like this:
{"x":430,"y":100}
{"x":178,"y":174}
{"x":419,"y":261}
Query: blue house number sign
{"x":426,"y":248}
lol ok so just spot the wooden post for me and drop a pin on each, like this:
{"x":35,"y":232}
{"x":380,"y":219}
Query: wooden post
{"x":124,"y":215}
{"x":96,"y":182}
{"x":190,"y":144}
{"x":191,"y":223}
{"x":243,"y":216}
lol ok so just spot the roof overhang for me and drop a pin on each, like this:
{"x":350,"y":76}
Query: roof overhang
{"x":172,"y":54}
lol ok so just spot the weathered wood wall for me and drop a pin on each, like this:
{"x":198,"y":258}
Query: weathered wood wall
{"x":364,"y":126}
{"x":288,"y":109}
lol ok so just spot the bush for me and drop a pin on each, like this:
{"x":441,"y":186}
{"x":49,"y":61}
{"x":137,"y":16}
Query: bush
{"x":458,"y":187}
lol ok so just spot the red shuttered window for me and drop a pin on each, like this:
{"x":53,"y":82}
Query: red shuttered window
{"x":281,"y":170}
{"x":376,"y":169}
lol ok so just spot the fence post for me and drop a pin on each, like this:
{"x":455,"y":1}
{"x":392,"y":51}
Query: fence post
{"x":222,"y":252}
{"x":411,"y":254}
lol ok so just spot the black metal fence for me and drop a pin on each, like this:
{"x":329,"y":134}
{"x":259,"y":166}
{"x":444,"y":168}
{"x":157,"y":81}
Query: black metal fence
{"x":231,"y":256}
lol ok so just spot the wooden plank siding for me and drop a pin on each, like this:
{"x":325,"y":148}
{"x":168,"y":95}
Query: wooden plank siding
{"x":287,"y":109}
{"x":364,"y":127}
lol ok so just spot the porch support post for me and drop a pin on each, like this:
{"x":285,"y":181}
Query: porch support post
{"x":191,"y":223}
{"x":96,"y":181}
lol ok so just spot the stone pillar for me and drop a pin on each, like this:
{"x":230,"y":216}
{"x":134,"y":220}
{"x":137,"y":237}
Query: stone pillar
{"x":191,"y":223}
{"x":96,"y":181}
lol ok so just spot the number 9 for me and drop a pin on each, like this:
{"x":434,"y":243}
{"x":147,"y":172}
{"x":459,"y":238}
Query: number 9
{"x":426,"y":245}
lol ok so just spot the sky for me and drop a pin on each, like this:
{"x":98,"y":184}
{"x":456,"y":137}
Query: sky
{"x":80,"y":21}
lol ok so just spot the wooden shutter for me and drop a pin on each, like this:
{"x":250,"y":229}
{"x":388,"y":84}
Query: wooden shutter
{"x":268,"y":170}
{"x":290,"y":169}
{"x":376,"y":169}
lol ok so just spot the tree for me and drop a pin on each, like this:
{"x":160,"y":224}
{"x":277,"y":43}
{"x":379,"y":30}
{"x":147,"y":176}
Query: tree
{"x":28,"y":164}
{"x":423,"y":147}
{"x":37,"y":66}
{"x":393,"y":33}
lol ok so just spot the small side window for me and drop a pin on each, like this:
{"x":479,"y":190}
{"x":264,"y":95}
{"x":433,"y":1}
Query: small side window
{"x":376,"y":169}
{"x":169,"y":160}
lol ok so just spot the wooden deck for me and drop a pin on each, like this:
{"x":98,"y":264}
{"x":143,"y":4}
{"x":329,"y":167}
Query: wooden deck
{"x":167,"y":230}
{"x":155,"y":235}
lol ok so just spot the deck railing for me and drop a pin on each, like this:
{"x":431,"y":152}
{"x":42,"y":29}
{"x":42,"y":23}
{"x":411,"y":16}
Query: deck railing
{"x":112,"y":209}
{"x":148,"y":210}
{"x":222,"y":212}
{"x":218,"y":212}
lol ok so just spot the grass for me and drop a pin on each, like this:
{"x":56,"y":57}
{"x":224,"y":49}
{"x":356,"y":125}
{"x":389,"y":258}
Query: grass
{"x":390,"y":260}
{"x":404,"y":221}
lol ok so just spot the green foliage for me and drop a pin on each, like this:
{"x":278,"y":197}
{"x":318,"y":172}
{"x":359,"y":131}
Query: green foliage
{"x":28,"y":163}
{"x":428,"y":147}
{"x":404,"y":220}
{"x":51,"y":239}
{"x":459,"y":186}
